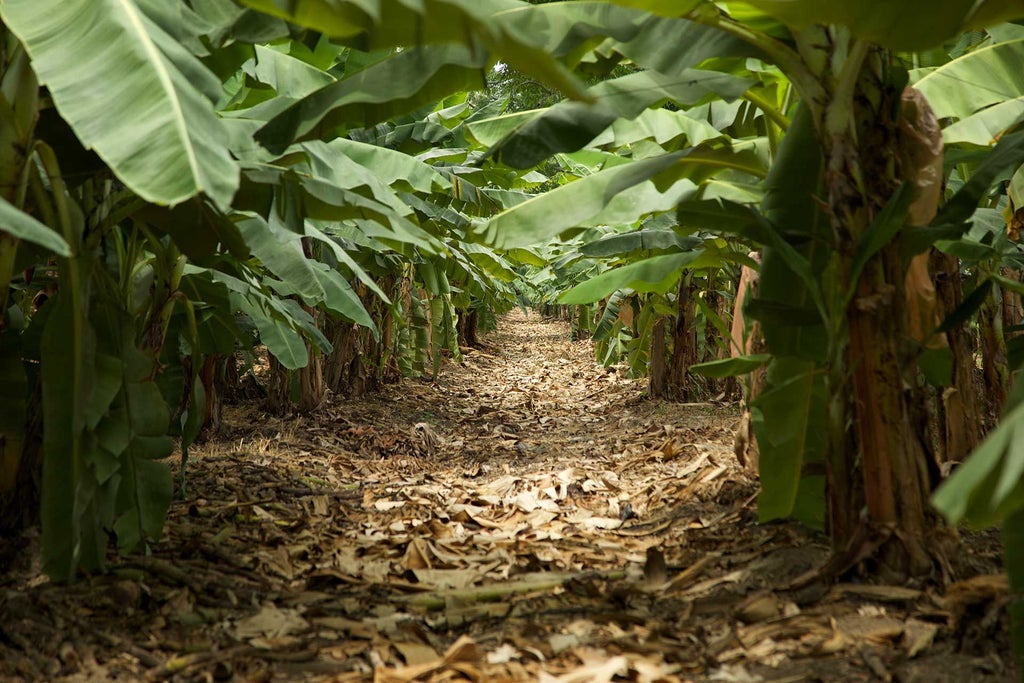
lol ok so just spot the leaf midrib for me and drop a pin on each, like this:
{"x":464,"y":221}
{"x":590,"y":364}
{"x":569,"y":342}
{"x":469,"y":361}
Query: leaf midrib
{"x":156,"y":58}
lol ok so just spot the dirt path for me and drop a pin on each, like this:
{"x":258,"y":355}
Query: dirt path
{"x":529,"y":517}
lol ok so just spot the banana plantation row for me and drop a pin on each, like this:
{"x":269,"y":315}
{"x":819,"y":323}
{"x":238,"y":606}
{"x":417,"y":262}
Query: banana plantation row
{"x":358,"y":187}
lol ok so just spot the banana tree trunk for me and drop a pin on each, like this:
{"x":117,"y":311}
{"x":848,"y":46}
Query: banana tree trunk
{"x":886,"y":435}
{"x":684,"y":343}
{"x":311,"y":382}
{"x":961,"y":414}
{"x":467,"y":327}
{"x":883,"y":459}
{"x":746,"y":340}
{"x":993,"y":355}
{"x":1013,"y":309}
{"x":658,"y":368}
{"x":346,"y":372}
{"x":278,"y":388}
{"x":213,"y":376}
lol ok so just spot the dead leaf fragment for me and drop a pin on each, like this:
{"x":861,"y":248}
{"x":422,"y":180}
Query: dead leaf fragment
{"x":415,"y":654}
{"x":270,"y":622}
{"x":918,"y":636}
{"x":760,"y":608}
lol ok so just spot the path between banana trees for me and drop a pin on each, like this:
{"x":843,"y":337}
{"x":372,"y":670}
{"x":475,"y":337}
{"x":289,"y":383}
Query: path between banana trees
{"x":528,"y":517}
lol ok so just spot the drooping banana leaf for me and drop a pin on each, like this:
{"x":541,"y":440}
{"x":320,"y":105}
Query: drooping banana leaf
{"x":568,"y":126}
{"x":789,"y":418}
{"x":401,"y":171}
{"x":793,"y":261}
{"x":281,"y":253}
{"x":652,"y":239}
{"x":397,"y":85}
{"x":897,"y":24}
{"x":981,"y":78}
{"x":289,"y":77}
{"x":985,"y":127}
{"x":25,"y":227}
{"x":578,"y":202}
{"x":656,"y":274}
{"x":658,"y":124}
{"x":155,"y":124}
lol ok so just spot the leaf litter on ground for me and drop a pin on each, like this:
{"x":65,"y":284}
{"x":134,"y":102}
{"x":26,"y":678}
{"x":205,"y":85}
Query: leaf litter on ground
{"x":529,"y":516}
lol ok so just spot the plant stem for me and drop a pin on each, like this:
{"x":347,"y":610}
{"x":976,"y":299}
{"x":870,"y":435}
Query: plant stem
{"x":839,"y":116}
{"x":769,"y":110}
{"x":789,"y":61}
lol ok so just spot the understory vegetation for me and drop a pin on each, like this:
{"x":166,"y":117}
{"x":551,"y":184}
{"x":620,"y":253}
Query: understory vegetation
{"x":362,"y":187}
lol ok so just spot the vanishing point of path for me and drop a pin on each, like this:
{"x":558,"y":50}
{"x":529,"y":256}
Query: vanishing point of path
{"x":528,"y":517}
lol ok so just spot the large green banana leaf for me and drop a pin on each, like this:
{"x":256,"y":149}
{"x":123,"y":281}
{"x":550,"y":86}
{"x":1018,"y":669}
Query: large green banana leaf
{"x":665,"y":8}
{"x":661,"y":125}
{"x":790,"y":419}
{"x":580,"y":202}
{"x":398,"y":170}
{"x":568,"y":29}
{"x":491,"y":263}
{"x":282,"y":323}
{"x":531,"y":38}
{"x":489,"y":131}
{"x":897,"y":24}
{"x":981,"y":78}
{"x":327,"y":162}
{"x":568,"y":125}
{"x":983,"y":90}
{"x":132,"y":93}
{"x":224,"y":22}
{"x":648,"y":239}
{"x":325,"y":199}
{"x":788,"y":192}
{"x":408,"y":80}
{"x":658,"y":124}
{"x":642,"y":200}
{"x":551,"y":213}
{"x":670,"y":46}
{"x":288,"y":76}
{"x":23,"y":226}
{"x":373,"y":236}
{"x":655,"y":274}
{"x":985,"y":127}
{"x":344,"y":258}
{"x":281,"y":253}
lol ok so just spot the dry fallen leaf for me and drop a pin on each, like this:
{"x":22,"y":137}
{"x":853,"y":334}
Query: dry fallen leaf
{"x":270,"y":622}
{"x":534,"y":500}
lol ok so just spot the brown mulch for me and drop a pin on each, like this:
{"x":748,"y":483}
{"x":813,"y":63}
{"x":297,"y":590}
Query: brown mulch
{"x":527,"y":517}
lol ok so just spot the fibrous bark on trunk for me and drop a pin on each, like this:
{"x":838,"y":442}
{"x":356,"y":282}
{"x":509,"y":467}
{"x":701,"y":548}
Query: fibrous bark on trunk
{"x":744,"y":341}
{"x":657,"y":365}
{"x":278,"y":387}
{"x":961,"y":415}
{"x":212,"y":377}
{"x":993,"y":355}
{"x":865,"y":167}
{"x":467,"y":327}
{"x":684,"y":344}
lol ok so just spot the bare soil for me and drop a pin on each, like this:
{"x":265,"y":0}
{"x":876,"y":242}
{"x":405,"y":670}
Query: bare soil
{"x":529,"y":516}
